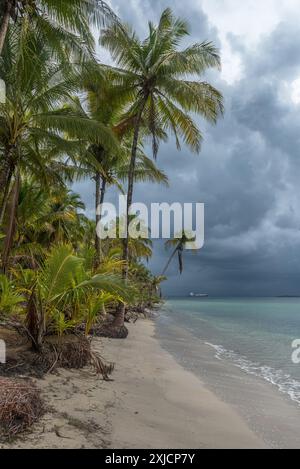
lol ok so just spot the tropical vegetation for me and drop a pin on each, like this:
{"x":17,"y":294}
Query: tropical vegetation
{"x":68,"y":117}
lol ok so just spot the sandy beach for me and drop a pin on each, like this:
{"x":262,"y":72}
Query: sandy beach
{"x":152,"y":402}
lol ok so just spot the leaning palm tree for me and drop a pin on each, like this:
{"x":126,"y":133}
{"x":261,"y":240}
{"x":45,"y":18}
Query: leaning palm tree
{"x":157,"y":73}
{"x":62,"y":23}
{"x":179,"y":244}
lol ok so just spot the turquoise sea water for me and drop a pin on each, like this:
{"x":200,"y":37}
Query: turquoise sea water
{"x":254,"y":334}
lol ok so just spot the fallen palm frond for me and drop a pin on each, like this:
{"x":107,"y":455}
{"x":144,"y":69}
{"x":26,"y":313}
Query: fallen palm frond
{"x":101,"y":367}
{"x":20,"y":406}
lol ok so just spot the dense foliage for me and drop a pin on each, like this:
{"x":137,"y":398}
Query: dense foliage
{"x":67,"y":117}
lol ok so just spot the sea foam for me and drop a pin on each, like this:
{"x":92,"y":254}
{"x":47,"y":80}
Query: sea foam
{"x":283,"y":381}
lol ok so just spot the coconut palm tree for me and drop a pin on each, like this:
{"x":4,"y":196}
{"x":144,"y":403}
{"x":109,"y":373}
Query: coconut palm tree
{"x":114,"y":171}
{"x":35,"y":117}
{"x":59,"y":291}
{"x":62,"y":23}
{"x":9,"y":298}
{"x":158,"y":75}
{"x":106,"y":100}
{"x":149,"y":286}
{"x":178,"y":243}
{"x":45,"y":216}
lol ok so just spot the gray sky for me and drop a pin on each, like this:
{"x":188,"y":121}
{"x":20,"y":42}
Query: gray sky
{"x":248,"y":171}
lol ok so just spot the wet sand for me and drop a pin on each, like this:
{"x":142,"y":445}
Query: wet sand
{"x":270,"y":414}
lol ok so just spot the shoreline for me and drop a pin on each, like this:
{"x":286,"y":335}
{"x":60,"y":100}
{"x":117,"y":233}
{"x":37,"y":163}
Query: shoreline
{"x":269,"y":413}
{"x":163,"y":404}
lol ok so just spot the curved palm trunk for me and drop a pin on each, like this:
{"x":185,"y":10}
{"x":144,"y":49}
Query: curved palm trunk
{"x":99,"y":199}
{"x":120,"y":314}
{"x":5,"y":22}
{"x":4,"y":200}
{"x":170,"y":260}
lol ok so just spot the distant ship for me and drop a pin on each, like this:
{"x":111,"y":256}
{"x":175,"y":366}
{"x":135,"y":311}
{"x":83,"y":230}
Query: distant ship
{"x":198,"y":295}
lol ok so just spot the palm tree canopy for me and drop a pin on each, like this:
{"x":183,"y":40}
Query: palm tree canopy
{"x":64,"y":25}
{"x":158,"y":75}
{"x":40,"y":113}
{"x":106,"y":102}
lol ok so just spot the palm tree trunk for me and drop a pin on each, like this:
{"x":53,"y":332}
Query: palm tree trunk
{"x":103,"y":190}
{"x":34,"y":322}
{"x":5,"y":23}
{"x":119,"y":316}
{"x":120,"y":313}
{"x":11,"y":228}
{"x":169,"y":261}
{"x":97,"y":204}
{"x":130,"y":187}
{"x":5,"y":195}
{"x":100,"y":193}
{"x":6,"y":171}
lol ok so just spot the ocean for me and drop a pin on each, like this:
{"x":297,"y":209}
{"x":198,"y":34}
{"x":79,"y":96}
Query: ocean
{"x":252,"y":334}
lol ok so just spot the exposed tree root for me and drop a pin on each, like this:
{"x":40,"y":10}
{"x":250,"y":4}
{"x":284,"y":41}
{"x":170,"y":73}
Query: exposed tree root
{"x":67,"y":352}
{"x":70,"y":351}
{"x":73,"y":352}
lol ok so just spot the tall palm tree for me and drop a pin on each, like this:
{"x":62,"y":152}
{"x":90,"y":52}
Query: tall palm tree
{"x":158,"y":75}
{"x":106,"y":100}
{"x":62,"y":23}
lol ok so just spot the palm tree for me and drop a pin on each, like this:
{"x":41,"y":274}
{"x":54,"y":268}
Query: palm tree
{"x":138,"y":248}
{"x":179,"y":243}
{"x":148,"y":285}
{"x":45,"y":216}
{"x":59,"y":291}
{"x":6,"y":13}
{"x":10,"y":300}
{"x":35,"y":119}
{"x":62,"y":23}
{"x":114,"y":171}
{"x":156,"y":284}
{"x":106,"y":101}
{"x":155,"y":71}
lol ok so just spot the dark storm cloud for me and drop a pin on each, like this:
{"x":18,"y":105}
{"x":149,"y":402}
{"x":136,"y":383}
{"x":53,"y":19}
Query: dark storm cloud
{"x":139,"y":12}
{"x":277,"y":55}
{"x":247,"y":173}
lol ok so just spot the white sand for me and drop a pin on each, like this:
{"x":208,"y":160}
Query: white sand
{"x":152,"y":403}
